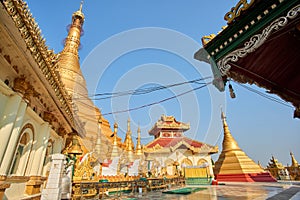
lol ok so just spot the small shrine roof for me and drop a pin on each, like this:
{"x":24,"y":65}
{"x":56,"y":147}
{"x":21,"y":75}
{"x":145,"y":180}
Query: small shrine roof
{"x":168,"y":123}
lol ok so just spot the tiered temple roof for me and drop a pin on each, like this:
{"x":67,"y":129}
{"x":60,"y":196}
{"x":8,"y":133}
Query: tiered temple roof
{"x":169,"y":136}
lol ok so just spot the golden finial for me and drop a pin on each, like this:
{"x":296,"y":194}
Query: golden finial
{"x":79,"y":13}
{"x":139,"y":131}
{"x":115,"y":133}
{"x":223,"y":117}
{"x":80,"y":8}
{"x":115,"y":127}
{"x":128,"y":124}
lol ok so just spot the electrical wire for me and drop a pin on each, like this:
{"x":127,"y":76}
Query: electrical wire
{"x":157,"y":102}
{"x":274,"y":99}
{"x":141,"y":91}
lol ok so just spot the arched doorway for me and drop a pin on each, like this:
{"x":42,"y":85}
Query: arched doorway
{"x":23,"y":151}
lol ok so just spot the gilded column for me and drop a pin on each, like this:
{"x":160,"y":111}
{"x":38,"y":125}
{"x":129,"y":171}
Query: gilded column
{"x":8,"y":119}
{"x":13,"y":141}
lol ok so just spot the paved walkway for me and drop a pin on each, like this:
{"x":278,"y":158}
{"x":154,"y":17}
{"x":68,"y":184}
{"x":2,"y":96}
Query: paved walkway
{"x":287,"y":194}
{"x":229,"y":191}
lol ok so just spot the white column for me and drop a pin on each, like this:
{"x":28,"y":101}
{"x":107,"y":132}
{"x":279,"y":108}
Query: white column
{"x":53,"y":190}
{"x":7,"y":121}
{"x":13,"y":141}
{"x":38,"y":149}
{"x":41,"y":152}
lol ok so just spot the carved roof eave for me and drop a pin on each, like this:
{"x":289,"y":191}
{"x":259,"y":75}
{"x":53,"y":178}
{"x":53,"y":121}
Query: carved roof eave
{"x":229,"y":44}
{"x":243,"y":24}
{"x":45,"y":58}
{"x":250,"y":46}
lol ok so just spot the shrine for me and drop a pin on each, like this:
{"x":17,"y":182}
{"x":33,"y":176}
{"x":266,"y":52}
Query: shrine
{"x":173,"y":154}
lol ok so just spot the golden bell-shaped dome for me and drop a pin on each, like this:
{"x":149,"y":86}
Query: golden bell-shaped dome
{"x":75,"y":148}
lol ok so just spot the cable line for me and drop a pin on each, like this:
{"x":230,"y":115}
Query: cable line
{"x":141,"y":91}
{"x":274,"y":99}
{"x":157,"y":102}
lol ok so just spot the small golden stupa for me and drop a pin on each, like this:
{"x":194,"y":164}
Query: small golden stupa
{"x":115,"y":152}
{"x":138,"y":149}
{"x":129,"y":145}
{"x":294,"y":168}
{"x":234,"y":165}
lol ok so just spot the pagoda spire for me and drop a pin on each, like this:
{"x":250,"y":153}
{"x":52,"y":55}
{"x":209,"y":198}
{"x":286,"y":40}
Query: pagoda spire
{"x":294,"y":161}
{"x":229,"y":143}
{"x":115,"y":150}
{"x":128,"y":125}
{"x":68,"y":61}
{"x":129,"y":146}
{"x":138,"y":150}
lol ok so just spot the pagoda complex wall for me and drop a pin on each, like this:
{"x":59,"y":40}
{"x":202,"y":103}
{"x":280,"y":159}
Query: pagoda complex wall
{"x":35,"y":114}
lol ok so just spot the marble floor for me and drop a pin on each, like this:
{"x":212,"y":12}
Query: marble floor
{"x":229,"y":191}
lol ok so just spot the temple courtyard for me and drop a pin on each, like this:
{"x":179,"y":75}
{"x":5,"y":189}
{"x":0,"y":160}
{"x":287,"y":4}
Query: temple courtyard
{"x":230,"y":191}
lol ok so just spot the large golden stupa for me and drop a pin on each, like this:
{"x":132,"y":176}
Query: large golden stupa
{"x":234,"y":165}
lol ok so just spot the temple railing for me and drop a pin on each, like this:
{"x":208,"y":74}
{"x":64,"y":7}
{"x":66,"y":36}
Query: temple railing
{"x":85,"y":189}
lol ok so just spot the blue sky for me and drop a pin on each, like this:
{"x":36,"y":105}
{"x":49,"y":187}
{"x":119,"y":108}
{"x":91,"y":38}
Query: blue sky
{"x":136,"y":44}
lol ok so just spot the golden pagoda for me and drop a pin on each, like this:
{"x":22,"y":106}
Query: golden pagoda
{"x":294,"y":168}
{"x":85,"y":112}
{"x":234,"y":165}
{"x":138,"y":149}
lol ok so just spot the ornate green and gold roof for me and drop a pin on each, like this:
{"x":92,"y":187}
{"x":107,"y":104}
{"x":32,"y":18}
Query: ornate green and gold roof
{"x":259,"y":45}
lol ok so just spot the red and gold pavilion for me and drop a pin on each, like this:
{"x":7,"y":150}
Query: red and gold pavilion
{"x":171,"y":152}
